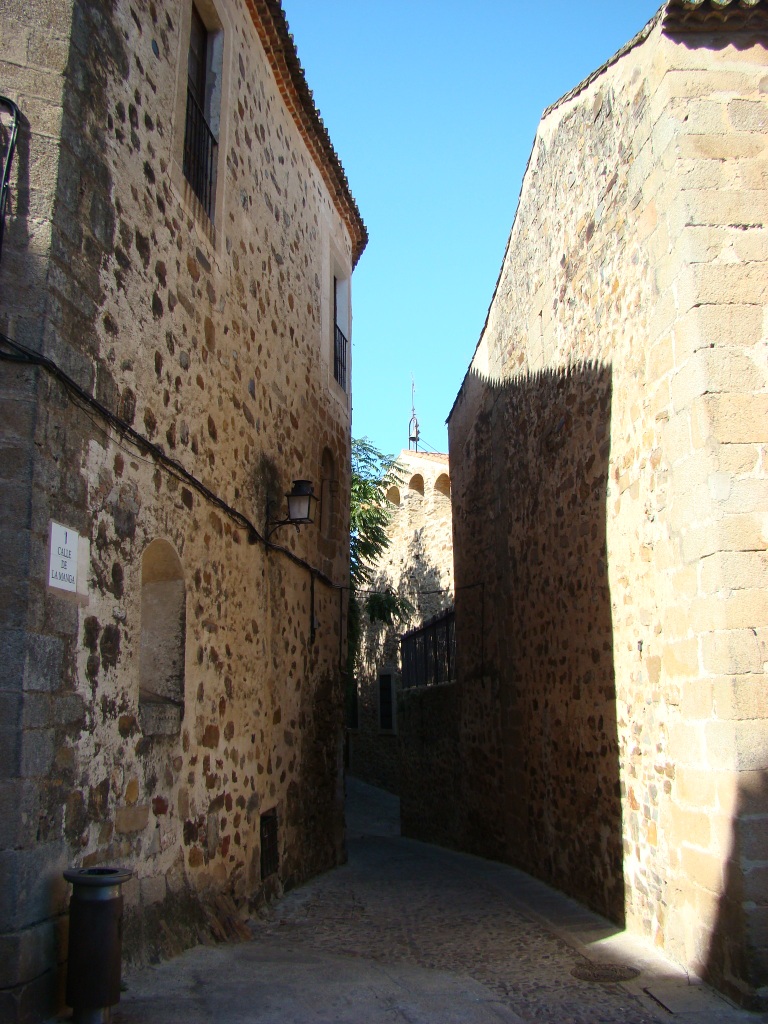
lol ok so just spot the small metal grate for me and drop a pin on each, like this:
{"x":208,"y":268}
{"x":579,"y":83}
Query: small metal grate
{"x":604,"y":974}
{"x":270,"y":860}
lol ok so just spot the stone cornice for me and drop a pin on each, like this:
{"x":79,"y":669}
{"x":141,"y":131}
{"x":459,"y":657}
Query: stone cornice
{"x":271,"y":24}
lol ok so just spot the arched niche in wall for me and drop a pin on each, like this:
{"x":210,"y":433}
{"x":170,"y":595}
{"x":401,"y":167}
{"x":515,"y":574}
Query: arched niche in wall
{"x":163,"y":640}
{"x":393,"y":495}
{"x":443,"y":485}
{"x":329,"y":488}
{"x":416,"y":484}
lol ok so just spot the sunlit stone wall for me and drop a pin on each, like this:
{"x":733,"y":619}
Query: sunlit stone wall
{"x":608,"y":455}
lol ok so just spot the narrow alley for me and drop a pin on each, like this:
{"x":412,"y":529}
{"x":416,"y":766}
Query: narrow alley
{"x":412,"y":932}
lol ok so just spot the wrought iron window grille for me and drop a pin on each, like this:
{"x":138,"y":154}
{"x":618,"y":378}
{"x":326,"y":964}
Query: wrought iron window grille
{"x":340,"y":357}
{"x":200,"y":152}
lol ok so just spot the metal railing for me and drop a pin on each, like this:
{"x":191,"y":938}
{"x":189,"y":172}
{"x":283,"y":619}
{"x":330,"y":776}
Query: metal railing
{"x":340,"y":357}
{"x":429,"y":652}
{"x":200,"y":149}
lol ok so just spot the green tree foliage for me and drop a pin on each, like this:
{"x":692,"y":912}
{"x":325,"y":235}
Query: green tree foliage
{"x":372,"y":475}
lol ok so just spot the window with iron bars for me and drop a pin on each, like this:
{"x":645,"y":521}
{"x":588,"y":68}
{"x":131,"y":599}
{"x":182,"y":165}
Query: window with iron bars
{"x":340,"y":343}
{"x":429,"y":652}
{"x":340,"y":358}
{"x":200,"y":144}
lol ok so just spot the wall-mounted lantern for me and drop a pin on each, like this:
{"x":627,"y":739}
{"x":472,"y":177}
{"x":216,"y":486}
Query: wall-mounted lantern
{"x":302,"y":504}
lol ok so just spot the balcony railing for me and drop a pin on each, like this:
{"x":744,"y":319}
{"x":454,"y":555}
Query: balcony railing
{"x":340,"y":358}
{"x":429,"y":653}
{"x":200,"y":150}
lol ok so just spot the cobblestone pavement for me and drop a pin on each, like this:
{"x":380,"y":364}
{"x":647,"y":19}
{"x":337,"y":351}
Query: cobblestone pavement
{"x":396,"y":902}
{"x":411,"y":932}
{"x":400,"y":901}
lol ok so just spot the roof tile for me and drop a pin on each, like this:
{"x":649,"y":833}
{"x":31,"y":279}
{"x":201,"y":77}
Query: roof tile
{"x":694,"y":15}
{"x":272,"y":26}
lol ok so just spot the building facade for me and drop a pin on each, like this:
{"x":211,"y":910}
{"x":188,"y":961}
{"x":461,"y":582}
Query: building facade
{"x":175,"y":318}
{"x":417,"y":565}
{"x":608,"y":457}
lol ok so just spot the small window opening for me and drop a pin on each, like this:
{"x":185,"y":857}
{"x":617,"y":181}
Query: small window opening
{"x":341,"y":331}
{"x":352,"y":706}
{"x":201,"y":146}
{"x":393,"y":495}
{"x":270,"y":860}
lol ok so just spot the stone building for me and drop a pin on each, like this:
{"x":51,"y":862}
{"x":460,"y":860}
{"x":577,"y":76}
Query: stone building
{"x":417,"y":565}
{"x":608,"y":459}
{"x":175,"y":318}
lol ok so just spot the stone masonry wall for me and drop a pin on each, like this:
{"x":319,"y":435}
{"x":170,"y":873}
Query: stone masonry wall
{"x":417,"y":565}
{"x":39,"y":709}
{"x":607,"y":450}
{"x":212,"y":341}
{"x":708,"y":380}
{"x":430,"y":772}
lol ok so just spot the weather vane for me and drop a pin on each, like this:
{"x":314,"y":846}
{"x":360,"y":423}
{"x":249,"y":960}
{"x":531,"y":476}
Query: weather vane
{"x":413,"y":426}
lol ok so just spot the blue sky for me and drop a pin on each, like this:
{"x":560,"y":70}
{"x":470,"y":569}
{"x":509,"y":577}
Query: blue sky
{"x":432,"y":106}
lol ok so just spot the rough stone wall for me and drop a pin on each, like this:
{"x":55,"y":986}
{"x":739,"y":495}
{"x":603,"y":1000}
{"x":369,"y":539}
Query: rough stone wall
{"x":607,"y":450}
{"x":708,"y":377}
{"x":40,"y":708}
{"x":212,"y":341}
{"x":417,"y":565}
{"x":430,"y":772}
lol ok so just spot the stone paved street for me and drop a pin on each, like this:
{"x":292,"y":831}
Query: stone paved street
{"x":411,"y":932}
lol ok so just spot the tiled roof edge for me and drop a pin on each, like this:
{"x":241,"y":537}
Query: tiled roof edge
{"x":677,"y":14}
{"x":272,"y":26}
{"x":641,"y":36}
{"x":691,"y":5}
{"x":695,"y":15}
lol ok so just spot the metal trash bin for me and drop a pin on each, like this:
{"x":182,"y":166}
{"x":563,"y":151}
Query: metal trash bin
{"x":95,"y":942}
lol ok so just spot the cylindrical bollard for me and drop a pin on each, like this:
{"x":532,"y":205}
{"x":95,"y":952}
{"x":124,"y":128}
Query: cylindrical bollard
{"x":95,"y":942}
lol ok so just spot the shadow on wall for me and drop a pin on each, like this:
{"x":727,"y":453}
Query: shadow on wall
{"x":422,"y":584}
{"x":737,"y":961}
{"x":537,"y":699}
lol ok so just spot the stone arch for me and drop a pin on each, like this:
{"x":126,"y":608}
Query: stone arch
{"x":443,"y":485}
{"x":416,"y":484}
{"x":329,"y":488}
{"x":393,"y":495}
{"x":163,"y":639}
